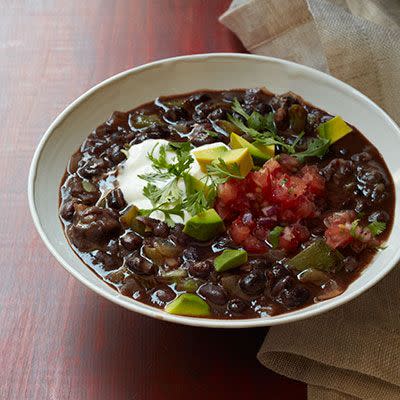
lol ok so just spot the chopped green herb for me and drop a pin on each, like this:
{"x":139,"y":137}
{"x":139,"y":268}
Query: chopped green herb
{"x":317,"y":147}
{"x":266,"y":138}
{"x":197,"y":200}
{"x":263,"y":130}
{"x":298,"y":138}
{"x":168,"y":213}
{"x":274,"y":235}
{"x":376,"y":227}
{"x":212,"y":134}
{"x":236,"y":106}
{"x":255,"y":120}
{"x":223,"y":172}
{"x":353,"y":228}
{"x":283,"y":181}
{"x":168,"y":198}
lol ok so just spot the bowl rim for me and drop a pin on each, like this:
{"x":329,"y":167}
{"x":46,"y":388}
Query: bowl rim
{"x":144,"y":309}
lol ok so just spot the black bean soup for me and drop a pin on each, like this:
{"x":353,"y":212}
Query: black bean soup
{"x":299,"y":223}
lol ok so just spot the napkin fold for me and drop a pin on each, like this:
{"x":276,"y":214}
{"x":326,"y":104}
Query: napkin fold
{"x":352,"y":352}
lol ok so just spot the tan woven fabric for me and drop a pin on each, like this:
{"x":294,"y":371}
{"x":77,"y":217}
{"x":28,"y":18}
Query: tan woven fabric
{"x":352,"y":352}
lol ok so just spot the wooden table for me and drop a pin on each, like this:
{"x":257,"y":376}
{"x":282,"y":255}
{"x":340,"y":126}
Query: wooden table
{"x":59,"y":340}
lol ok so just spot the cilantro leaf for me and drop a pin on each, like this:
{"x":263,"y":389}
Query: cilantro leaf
{"x":317,"y":147}
{"x":223,"y":172}
{"x":267,"y":138}
{"x":153,"y":193}
{"x":377,"y":227}
{"x":262,"y":129}
{"x":168,"y":213}
{"x":212,"y":134}
{"x":163,"y":185}
{"x":255,"y":121}
{"x":353,"y":228}
{"x":239,"y":109}
{"x":200,"y":200}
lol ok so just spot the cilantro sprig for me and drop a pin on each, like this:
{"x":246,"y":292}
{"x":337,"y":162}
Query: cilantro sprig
{"x":263,"y":130}
{"x":220,"y":172}
{"x":163,"y":189}
{"x":375,"y":228}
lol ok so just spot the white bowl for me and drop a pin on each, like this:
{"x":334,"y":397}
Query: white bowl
{"x":185,"y":74}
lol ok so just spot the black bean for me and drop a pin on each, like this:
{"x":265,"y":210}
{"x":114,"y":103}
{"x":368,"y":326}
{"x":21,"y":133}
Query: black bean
{"x":115,"y":154}
{"x":198,"y":98}
{"x":162,"y":295}
{"x":214,"y":293}
{"x":132,"y":288}
{"x":361,"y":157}
{"x":93,"y":167}
{"x":109,"y":261}
{"x":191,"y":254}
{"x":94,"y":145}
{"x":201,"y":138}
{"x":279,"y":271}
{"x":201,"y":269}
{"x":161,"y":229}
{"x":131,"y":241}
{"x":102,"y":131}
{"x":287,"y":282}
{"x":222,"y":243}
{"x":350,"y":264}
{"x":218,"y":113}
{"x":338,"y":169}
{"x":118,"y":118}
{"x":116,"y":200}
{"x":93,"y":227}
{"x":381,"y":216}
{"x":361,"y":205}
{"x":295,"y":297}
{"x":358,"y":246}
{"x":255,"y":100}
{"x":260,"y":263}
{"x":237,"y":306}
{"x":67,"y":210}
{"x":178,"y":235}
{"x":176,"y":114}
{"x":73,"y":163}
{"x":139,"y":265}
{"x":152,"y":132}
{"x":253,"y":283}
{"x":281,"y":118}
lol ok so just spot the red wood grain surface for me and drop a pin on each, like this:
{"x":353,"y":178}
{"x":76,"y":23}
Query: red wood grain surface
{"x":59,"y":340}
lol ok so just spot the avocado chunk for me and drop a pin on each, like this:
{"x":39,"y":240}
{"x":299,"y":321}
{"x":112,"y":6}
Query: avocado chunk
{"x":188,"y":304}
{"x":259,"y":152}
{"x":317,"y":255}
{"x":334,"y":129}
{"x":206,"y":156}
{"x":205,"y":225}
{"x":229,"y":259}
{"x":192,"y":184}
{"x":239,"y":157}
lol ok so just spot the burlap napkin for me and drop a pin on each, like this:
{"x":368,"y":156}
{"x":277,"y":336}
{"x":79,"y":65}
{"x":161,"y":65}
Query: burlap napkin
{"x":352,"y":352}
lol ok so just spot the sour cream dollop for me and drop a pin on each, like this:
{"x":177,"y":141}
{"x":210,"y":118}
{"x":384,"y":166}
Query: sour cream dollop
{"x":138,"y":163}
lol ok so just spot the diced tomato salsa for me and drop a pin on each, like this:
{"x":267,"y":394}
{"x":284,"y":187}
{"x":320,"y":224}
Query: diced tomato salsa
{"x":281,"y":193}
